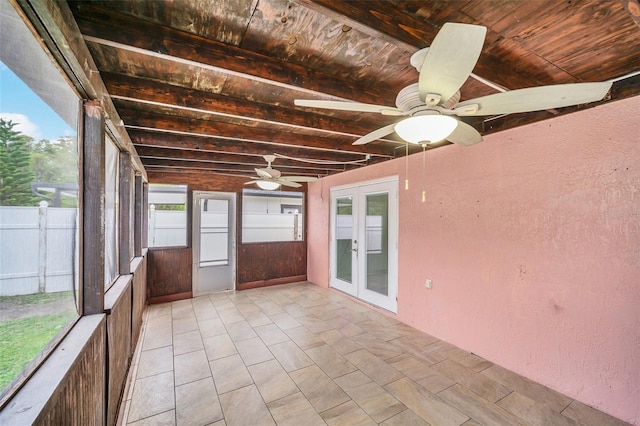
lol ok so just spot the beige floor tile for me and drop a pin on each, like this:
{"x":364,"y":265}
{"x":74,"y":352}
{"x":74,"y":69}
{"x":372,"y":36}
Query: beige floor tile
{"x":590,"y":416}
{"x":191,"y":367}
{"x":528,"y":388}
{"x":290,"y":356}
{"x":344,"y":326}
{"x":533,"y":412}
{"x":253,"y":351}
{"x":304,"y":338}
{"x":211,"y":327}
{"x":294,"y":410}
{"x":158,"y":336}
{"x":168,"y":418}
{"x":197,"y":403}
{"x":425,"y":404}
{"x":371,"y":397}
{"x":229,"y":316}
{"x":271,"y":334}
{"x":314,"y":324}
{"x":272,"y":381}
{"x":406,"y":418}
{"x":377,"y":346}
{"x":155,"y":361}
{"x":244,"y":407}
{"x":269,"y":308}
{"x":284,"y":321}
{"x":474,"y":362}
{"x":478,"y":408}
{"x":483,"y":386}
{"x":257,"y":319}
{"x":219,"y":346}
{"x":240,"y":330}
{"x":187,"y":342}
{"x":318,"y":388}
{"x":184,"y":324}
{"x":377,"y":369}
{"x":152,"y":395}
{"x":347,"y":414}
{"x":331,"y":362}
{"x":230,"y":374}
{"x":420,"y":348}
{"x":383,"y":371}
{"x":295,"y":310}
{"x":339,"y":342}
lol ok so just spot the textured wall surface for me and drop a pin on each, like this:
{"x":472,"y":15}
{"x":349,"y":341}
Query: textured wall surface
{"x":532,"y":240}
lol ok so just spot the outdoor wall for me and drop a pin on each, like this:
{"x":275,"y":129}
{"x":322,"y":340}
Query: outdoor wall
{"x":532,"y":240}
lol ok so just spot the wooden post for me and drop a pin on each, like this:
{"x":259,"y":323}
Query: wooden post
{"x":93,"y":199}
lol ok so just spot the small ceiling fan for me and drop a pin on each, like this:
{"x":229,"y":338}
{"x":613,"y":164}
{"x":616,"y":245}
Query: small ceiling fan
{"x":271,"y":179}
{"x":432,"y":104}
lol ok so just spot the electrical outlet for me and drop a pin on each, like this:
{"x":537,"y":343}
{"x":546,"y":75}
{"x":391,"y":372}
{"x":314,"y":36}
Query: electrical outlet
{"x":428,"y":283}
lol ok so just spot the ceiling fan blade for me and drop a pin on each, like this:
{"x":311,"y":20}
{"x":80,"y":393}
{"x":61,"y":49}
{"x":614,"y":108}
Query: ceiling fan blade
{"x":251,"y":181}
{"x":535,"y":99}
{"x":376,"y":134}
{"x":348,"y":106}
{"x":464,"y":135}
{"x":300,"y":178}
{"x":263,"y":173}
{"x":451,"y":58}
{"x":288,"y":183}
{"x":268,"y":173}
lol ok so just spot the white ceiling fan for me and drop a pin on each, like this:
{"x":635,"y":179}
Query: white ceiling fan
{"x":271,"y":179}
{"x":432,"y":104}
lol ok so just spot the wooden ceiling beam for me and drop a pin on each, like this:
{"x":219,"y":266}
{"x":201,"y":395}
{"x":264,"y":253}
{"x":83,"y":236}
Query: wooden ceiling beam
{"x":98,"y":26}
{"x":226,"y":146}
{"x":235,"y":159}
{"x":142,"y":120}
{"x":149,"y":91}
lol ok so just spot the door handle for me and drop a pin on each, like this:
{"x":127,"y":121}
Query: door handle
{"x":355,"y":249}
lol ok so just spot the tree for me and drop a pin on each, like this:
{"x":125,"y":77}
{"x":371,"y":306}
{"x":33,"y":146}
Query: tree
{"x":16,"y":171}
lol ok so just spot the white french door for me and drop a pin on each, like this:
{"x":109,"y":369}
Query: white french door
{"x":213,"y":242}
{"x":364,"y":241}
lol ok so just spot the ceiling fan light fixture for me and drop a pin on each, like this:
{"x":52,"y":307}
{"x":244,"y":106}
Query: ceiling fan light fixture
{"x":426,"y":128}
{"x":267,"y":185}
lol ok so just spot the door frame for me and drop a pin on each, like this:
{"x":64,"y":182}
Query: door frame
{"x":357,"y":288}
{"x":197,"y":198}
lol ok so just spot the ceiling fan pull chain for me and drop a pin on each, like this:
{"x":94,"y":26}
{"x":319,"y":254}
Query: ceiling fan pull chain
{"x":406,"y":172}
{"x":424,"y":192}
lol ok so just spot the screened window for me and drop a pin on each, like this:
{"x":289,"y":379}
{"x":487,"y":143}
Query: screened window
{"x":272,"y":216}
{"x":111,"y":213}
{"x":39,"y":210}
{"x":167,"y":215}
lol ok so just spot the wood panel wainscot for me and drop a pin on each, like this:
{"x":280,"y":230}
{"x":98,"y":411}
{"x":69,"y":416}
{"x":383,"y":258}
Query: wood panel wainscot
{"x":264,"y":264}
{"x":168,"y":274}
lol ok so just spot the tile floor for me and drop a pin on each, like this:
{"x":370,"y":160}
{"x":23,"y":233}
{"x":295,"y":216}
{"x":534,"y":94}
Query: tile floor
{"x":301,"y":355}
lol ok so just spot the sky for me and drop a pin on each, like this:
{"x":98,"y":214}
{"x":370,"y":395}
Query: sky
{"x":21,"y":105}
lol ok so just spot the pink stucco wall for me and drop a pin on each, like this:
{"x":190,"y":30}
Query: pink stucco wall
{"x":532,"y":240}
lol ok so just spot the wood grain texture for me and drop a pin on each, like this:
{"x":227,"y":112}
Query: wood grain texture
{"x":269,"y":261}
{"x":139,"y":296}
{"x":118,"y":304}
{"x":169,"y":271}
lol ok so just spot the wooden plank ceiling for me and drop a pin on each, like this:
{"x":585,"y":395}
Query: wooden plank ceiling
{"x":207,"y":87}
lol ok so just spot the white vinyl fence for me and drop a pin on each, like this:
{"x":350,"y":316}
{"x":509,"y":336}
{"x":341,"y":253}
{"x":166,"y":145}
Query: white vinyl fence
{"x":38,"y":249}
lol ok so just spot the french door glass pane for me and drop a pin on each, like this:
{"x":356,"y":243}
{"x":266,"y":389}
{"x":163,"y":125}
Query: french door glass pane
{"x":214,"y":232}
{"x":344,"y":236}
{"x":377,"y":243}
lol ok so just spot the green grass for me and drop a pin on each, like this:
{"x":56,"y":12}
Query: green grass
{"x":36,"y":299}
{"x":22,"y":339}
